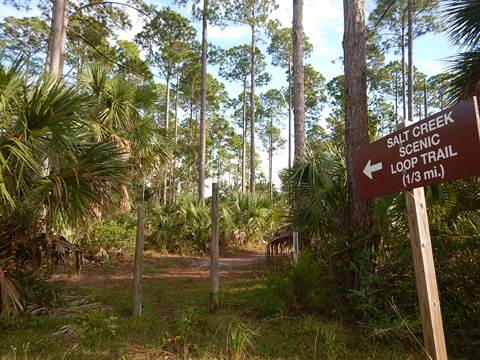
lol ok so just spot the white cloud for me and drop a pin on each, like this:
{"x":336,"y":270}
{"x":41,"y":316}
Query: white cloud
{"x":322,"y":21}
{"x":231,"y":33}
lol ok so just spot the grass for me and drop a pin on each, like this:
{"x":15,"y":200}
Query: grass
{"x":176,"y":325}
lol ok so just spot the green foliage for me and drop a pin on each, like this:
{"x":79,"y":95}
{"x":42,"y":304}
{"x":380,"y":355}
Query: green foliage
{"x":244,"y":219}
{"x":24,"y":38}
{"x":167,"y":39}
{"x":182,"y":227}
{"x":238,"y":340}
{"x":111,"y":234}
{"x":383,"y":300}
{"x":318,"y":186}
{"x":39,"y":292}
{"x":301,"y":289}
{"x":249,"y":218}
{"x":93,"y":327}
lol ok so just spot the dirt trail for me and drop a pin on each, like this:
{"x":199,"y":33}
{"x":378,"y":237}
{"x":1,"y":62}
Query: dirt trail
{"x":233,"y":264}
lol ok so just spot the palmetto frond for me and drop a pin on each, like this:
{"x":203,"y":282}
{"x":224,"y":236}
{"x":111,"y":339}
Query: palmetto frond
{"x":10,"y":90}
{"x":463,"y":21}
{"x":318,"y":187}
{"x":86,"y":180}
{"x":464,"y":78}
{"x":120,"y":103}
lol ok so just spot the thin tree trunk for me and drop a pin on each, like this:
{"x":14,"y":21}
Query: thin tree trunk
{"x":289,"y":113}
{"x":167,"y":121}
{"x":298,"y":86}
{"x":425,"y":98}
{"x":354,"y":45}
{"x":138,"y":267}
{"x":410,"y":61}
{"x":404,"y":86}
{"x":203,"y":106}
{"x":56,"y":47}
{"x":244,"y":133}
{"x":252,"y":104}
{"x":64,"y":34}
{"x":396,"y":98}
{"x":270,"y":160}
{"x":175,"y":141}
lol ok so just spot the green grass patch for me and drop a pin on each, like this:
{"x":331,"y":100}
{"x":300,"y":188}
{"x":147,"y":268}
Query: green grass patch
{"x":176,"y":321}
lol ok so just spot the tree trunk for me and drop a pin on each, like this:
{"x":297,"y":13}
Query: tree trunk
{"x":138,"y":267}
{"x":289,"y":113}
{"x":298,"y":83}
{"x":396,"y":98}
{"x":404,"y":85}
{"x":425,"y":98}
{"x":354,"y":46}
{"x":167,"y":120}
{"x":56,"y":47}
{"x":270,"y":161}
{"x":244,"y":134}
{"x":410,"y":61}
{"x":203,"y":106}
{"x":64,"y":34}
{"x":252,"y":105}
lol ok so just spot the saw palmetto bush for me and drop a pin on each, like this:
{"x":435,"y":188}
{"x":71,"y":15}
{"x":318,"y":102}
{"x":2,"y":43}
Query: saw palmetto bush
{"x":250,"y":218}
{"x":186,"y":225}
{"x":181,"y":227}
{"x":53,"y":169}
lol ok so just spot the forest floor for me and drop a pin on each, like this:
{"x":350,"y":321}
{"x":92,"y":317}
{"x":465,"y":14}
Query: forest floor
{"x":95,"y":323}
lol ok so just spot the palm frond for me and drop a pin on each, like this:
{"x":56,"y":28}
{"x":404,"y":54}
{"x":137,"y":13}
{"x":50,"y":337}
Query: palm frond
{"x":463,"y":21}
{"x":464,"y":78}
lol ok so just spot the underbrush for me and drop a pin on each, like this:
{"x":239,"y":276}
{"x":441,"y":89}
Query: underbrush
{"x":112,"y":234}
{"x":368,"y":278}
{"x":385,"y":306}
{"x":184,"y":227}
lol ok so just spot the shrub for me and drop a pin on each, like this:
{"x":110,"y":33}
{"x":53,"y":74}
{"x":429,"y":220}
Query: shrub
{"x":186,"y":226}
{"x":181,"y":228}
{"x":302,"y":288}
{"x":110,"y":234}
{"x":249,"y":218}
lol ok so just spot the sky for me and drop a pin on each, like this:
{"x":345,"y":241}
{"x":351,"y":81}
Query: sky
{"x":323,"y":24}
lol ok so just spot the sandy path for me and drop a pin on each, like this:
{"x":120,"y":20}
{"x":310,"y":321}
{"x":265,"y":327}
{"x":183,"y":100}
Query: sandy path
{"x":237,"y":264}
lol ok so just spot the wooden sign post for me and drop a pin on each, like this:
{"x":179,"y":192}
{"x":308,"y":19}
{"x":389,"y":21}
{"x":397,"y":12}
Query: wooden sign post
{"x":427,"y":290}
{"x":214,"y":252}
{"x":438,"y":149}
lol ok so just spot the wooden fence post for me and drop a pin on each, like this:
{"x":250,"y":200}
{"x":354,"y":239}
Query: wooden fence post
{"x":214,"y":252}
{"x":296,"y":247}
{"x":138,"y":268}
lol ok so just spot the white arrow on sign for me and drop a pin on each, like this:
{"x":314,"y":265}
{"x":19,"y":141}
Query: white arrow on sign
{"x":369,"y":168}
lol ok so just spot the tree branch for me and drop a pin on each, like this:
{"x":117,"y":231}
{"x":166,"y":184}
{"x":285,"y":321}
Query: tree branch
{"x":113,"y":3}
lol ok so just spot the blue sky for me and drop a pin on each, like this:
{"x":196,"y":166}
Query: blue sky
{"x":323,"y":24}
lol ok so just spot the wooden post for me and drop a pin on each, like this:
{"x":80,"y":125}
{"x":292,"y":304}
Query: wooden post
{"x":295,"y":247}
{"x":428,"y":298}
{"x":138,"y":268}
{"x":214,"y":252}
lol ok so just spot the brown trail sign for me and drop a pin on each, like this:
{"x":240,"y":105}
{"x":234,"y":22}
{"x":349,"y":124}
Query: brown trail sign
{"x":440,"y":148}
